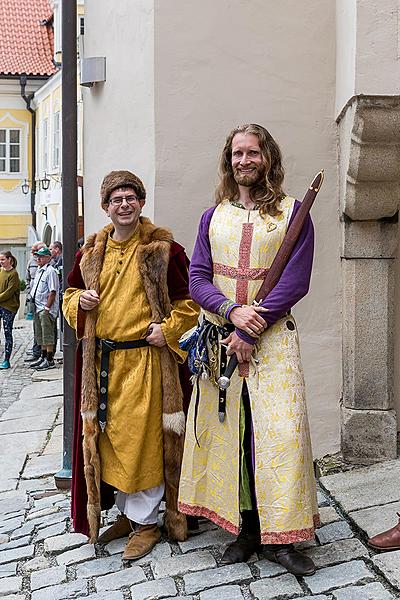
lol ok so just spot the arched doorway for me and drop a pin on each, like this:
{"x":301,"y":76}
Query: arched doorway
{"x":47,"y":231}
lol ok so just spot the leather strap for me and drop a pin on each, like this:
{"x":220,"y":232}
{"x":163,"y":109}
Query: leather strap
{"x":108,"y":346}
{"x":222,"y":393}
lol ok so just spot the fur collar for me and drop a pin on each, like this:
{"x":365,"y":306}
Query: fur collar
{"x":153,"y":259}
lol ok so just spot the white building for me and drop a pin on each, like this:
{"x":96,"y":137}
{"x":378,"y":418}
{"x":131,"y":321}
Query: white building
{"x":323,"y":77}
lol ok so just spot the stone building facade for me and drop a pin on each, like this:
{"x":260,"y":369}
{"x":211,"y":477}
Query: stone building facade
{"x":323,"y":77}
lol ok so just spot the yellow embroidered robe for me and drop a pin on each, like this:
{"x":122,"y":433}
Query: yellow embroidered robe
{"x":131,"y":448}
{"x":243,"y":246}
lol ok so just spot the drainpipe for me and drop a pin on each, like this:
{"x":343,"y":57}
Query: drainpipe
{"x":28,"y":99}
{"x":69,"y":220}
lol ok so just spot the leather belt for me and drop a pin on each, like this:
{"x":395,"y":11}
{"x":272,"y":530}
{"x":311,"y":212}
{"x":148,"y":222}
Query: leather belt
{"x":108,"y":346}
{"x":214,"y":331}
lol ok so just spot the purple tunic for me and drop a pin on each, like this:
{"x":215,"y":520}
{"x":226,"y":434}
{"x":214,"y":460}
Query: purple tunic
{"x":291,"y":287}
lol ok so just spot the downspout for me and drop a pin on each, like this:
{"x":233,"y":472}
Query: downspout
{"x":28,"y":99}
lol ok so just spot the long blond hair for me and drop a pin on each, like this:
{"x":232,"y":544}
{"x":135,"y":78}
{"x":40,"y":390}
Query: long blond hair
{"x":267,"y":193}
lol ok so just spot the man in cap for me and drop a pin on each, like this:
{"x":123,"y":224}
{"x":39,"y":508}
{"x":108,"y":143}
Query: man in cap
{"x":45,"y":296}
{"x":129,"y":302}
{"x":31,"y":268}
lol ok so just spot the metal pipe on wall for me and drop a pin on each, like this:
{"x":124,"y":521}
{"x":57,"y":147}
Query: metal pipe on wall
{"x":23,"y":80}
{"x":69,"y":217}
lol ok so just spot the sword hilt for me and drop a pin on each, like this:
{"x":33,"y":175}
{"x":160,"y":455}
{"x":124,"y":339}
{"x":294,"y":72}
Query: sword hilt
{"x":225,"y":380}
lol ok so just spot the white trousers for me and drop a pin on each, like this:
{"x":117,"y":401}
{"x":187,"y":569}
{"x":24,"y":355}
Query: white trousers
{"x":143,"y":506}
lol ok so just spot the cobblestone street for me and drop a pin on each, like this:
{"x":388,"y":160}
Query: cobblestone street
{"x":42,"y":559}
{"x":13,"y":380}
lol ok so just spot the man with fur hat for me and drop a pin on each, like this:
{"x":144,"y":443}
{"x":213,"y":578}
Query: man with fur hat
{"x":129,"y":304}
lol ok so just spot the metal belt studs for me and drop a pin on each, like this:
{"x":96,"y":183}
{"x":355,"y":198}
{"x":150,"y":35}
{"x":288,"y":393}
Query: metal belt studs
{"x":108,"y":346}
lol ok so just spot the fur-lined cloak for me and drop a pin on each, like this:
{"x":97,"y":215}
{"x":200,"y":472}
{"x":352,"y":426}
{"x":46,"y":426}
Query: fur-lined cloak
{"x":163,"y":269}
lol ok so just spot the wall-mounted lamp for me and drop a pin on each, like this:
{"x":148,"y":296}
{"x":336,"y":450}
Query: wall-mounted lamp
{"x":25,"y":187}
{"x":45,"y":182}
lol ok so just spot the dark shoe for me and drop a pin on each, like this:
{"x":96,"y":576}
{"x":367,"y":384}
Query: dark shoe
{"x":241,"y":549}
{"x":121,"y":528}
{"x":294,"y":561}
{"x":387,"y":540}
{"x":45,"y":365}
{"x":36,"y":363}
{"x":192,"y":525}
{"x":141,"y":541}
{"x":32,"y":358}
{"x":247,"y":542}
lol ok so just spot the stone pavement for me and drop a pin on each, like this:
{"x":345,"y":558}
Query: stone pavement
{"x":14,"y":379}
{"x":42,"y":559}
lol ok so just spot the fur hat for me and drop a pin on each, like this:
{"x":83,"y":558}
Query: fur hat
{"x":120,"y":179}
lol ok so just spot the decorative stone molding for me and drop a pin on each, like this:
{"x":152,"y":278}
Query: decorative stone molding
{"x":369,"y":159}
{"x":372,"y":176}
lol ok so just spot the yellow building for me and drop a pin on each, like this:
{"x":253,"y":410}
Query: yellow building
{"x":30,"y":123}
{"x":26,"y":62}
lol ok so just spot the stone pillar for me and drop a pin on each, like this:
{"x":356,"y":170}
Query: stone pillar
{"x":369,"y":145}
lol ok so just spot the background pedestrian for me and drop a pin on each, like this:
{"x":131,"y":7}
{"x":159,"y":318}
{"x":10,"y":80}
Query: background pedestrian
{"x":9,"y":300}
{"x":30,"y":273}
{"x":45,"y":294}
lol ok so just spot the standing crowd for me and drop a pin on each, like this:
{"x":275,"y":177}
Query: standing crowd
{"x":43,"y":283}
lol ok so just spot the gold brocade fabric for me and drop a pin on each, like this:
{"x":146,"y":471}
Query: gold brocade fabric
{"x":243,"y":246}
{"x":131,"y":448}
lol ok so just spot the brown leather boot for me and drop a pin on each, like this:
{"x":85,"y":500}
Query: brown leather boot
{"x":141,"y":541}
{"x":387,"y":540}
{"x":121,"y":528}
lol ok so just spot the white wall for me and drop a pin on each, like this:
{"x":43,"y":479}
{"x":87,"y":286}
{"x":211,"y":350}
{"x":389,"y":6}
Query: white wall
{"x":178,"y":80}
{"x":346,"y":28}
{"x":220,"y":64}
{"x":377,"y":63}
{"x":119,"y":114}
{"x":367,"y":50}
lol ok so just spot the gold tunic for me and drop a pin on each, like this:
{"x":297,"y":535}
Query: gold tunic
{"x":243,"y":247}
{"x":131,"y":448}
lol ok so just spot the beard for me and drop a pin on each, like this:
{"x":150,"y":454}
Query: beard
{"x":249,"y":179}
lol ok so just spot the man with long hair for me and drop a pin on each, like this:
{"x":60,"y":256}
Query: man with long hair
{"x":247,"y":462}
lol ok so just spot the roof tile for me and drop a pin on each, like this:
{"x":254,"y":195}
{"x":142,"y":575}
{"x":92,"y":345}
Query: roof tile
{"x":26,"y":37}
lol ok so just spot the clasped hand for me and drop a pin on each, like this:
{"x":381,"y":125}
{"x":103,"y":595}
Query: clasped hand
{"x":155,"y":335}
{"x":249,"y":319}
{"x":237,"y":346}
{"x":89,"y":299}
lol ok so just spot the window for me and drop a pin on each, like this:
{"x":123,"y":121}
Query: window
{"x":56,"y":140}
{"x":10,"y":151}
{"x":81,"y":25}
{"x":45,"y":145}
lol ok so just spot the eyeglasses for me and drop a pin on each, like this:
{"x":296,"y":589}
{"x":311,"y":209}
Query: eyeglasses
{"x":118,"y":200}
